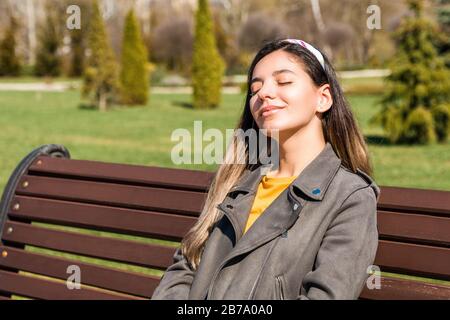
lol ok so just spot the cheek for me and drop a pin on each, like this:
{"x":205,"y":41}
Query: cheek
{"x":301,"y":101}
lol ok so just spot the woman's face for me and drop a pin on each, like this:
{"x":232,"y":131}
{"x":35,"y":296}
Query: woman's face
{"x":284,"y":97}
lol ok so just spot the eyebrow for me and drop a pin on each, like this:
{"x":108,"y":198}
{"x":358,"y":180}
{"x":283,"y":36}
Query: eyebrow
{"x":277,"y":72}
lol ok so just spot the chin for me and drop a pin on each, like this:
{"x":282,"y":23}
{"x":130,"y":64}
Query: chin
{"x":273,"y":124}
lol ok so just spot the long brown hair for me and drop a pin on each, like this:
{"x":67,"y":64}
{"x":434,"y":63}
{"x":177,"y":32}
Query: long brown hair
{"x":339,"y":129}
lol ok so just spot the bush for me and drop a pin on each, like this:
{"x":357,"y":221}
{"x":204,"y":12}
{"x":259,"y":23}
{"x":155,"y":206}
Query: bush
{"x":419,"y":127}
{"x":48,"y":60}
{"x":172,"y":45}
{"x":419,"y":83}
{"x":441,"y":116}
{"x":9,"y":62}
{"x":243,"y":87}
{"x":393,"y":124}
{"x":134,"y":80}
{"x":207,"y":66}
{"x":100,"y":75}
{"x":258,"y":29}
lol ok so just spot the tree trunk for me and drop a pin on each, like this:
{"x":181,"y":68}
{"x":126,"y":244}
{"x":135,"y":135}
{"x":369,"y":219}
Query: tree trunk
{"x":31,"y":32}
{"x":102,"y":102}
{"x":317,"y":14}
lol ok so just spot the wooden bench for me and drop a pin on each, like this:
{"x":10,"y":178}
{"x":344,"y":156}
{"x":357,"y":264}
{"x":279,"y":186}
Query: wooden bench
{"x":48,"y":191}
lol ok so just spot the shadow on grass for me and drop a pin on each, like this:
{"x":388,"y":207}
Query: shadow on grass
{"x":378,"y":140}
{"x":90,"y":107}
{"x":185,"y":105}
{"x":86,"y":106}
{"x":188,"y":105}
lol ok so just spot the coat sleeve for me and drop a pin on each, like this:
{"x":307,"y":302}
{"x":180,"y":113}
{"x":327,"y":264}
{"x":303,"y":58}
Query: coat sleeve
{"x":347,"y":250}
{"x":176,"y":282}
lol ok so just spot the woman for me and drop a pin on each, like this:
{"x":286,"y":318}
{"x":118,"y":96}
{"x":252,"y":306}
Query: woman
{"x":306,"y":229}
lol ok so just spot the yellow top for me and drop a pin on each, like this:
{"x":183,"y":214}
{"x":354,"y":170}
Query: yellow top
{"x":268,"y":190}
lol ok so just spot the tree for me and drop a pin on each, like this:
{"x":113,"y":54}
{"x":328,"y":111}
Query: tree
{"x":78,"y":39}
{"x":48,"y":60}
{"x":31,"y":25}
{"x":9,"y":62}
{"x":443,"y":42}
{"x":415,"y":108}
{"x":77,"y":45}
{"x":133,"y":76}
{"x":172,"y":45}
{"x":260,"y":28}
{"x":207,"y":65}
{"x":100,"y":76}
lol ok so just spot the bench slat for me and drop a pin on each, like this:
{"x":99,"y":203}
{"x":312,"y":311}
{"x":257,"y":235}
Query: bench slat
{"x":146,"y":255}
{"x":409,"y":199}
{"x":414,"y":227}
{"x":414,"y":200}
{"x":189,"y":179}
{"x":413,"y":259}
{"x":399,"y":289}
{"x":186,"y":202}
{"x":44,"y":289}
{"x":391,"y":256}
{"x":91,"y":274}
{"x":394,"y":225}
{"x":113,"y":219}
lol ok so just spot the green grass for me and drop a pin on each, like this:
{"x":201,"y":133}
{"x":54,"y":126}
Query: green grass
{"x":142,"y":135}
{"x":426,"y":166}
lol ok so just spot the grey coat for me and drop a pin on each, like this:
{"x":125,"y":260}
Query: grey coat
{"x":315,"y":241}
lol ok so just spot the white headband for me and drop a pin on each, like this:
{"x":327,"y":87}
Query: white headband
{"x":313,"y":50}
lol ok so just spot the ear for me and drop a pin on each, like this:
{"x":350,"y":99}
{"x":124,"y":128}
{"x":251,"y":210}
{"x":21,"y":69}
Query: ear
{"x":324,"y":98}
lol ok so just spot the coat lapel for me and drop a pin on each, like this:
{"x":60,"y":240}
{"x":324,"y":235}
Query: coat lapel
{"x":310,"y":185}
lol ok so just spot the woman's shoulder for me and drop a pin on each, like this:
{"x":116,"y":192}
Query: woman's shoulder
{"x":349,"y":181}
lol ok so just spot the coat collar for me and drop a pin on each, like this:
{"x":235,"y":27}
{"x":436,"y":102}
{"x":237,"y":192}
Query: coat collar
{"x":313,"y":181}
{"x":316,"y":177}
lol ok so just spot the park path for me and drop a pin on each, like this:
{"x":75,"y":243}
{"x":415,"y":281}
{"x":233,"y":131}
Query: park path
{"x":64,"y":86}
{"x":72,"y":85}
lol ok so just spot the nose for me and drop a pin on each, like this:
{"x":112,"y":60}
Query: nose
{"x":268,"y":90}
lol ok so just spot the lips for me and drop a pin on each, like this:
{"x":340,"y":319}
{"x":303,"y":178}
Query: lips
{"x":269,"y":110}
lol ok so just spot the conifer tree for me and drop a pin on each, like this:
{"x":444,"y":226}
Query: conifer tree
{"x":9,"y":62}
{"x":78,"y":39}
{"x":48,"y":61}
{"x":207,"y":66}
{"x":415,"y":107}
{"x":134,"y":82}
{"x":100,"y":74}
{"x":77,"y":57}
{"x":443,"y":18}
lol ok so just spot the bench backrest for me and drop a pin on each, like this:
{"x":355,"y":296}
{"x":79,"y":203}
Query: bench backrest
{"x":119,"y":210}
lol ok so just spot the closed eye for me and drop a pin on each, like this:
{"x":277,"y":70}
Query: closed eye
{"x":280,"y":83}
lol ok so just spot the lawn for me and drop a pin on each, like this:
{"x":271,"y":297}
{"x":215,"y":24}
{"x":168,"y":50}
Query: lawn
{"x":142,"y":135}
